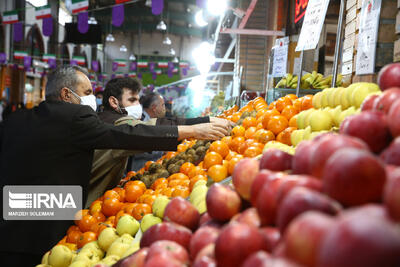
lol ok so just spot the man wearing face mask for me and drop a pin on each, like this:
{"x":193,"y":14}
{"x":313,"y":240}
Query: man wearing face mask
{"x":55,"y":143}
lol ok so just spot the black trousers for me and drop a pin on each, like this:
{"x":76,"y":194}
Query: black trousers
{"x":14,"y":259}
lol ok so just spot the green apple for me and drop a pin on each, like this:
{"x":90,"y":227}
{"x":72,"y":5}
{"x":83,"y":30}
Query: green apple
{"x":199,"y":183}
{"x":198,"y":192}
{"x":148,"y":221}
{"x":109,"y":260}
{"x":159,"y":205}
{"x":87,"y":255}
{"x":107,"y":237}
{"x":132,"y":249}
{"x":316,"y":101}
{"x":125,"y":238}
{"x":94,"y":246}
{"x":296,"y":137}
{"x":321,"y":120}
{"x":60,"y":256}
{"x":81,"y":263}
{"x":200,"y":205}
{"x":127,"y":225}
{"x":45,"y":258}
{"x":117,"y":248}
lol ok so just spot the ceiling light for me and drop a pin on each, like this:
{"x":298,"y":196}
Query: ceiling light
{"x":110,"y":38}
{"x":92,"y":20}
{"x":132,"y":57}
{"x":172,"y":51}
{"x":204,"y":57}
{"x":175,"y":60}
{"x":188,"y":10}
{"x":199,"y":18}
{"x":167,"y":41}
{"x":161,"y":26}
{"x":216,"y":8}
{"x":123,"y":48}
{"x":190,"y":25}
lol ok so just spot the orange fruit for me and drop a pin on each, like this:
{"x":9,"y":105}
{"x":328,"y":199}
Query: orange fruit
{"x":252,"y":151}
{"x":272,"y":105}
{"x":180,"y":191}
{"x":232,"y":163}
{"x":297,"y":104}
{"x":236,"y":143}
{"x":182,"y":147}
{"x":148,"y":192}
{"x":264,"y":136}
{"x":140,"y":210}
{"x":293,"y":122}
{"x":212,"y":158}
{"x":227,"y":139}
{"x":249,"y":122}
{"x":238,"y":131}
{"x":195,"y":179}
{"x":121,"y":193}
{"x":267,"y":115}
{"x":73,"y":237}
{"x":85,"y":238}
{"x":139,"y":183}
{"x":147,"y":164}
{"x":186,"y":167}
{"x":288,"y":112}
{"x":177,"y":176}
{"x":220,"y":148}
{"x":249,"y":134}
{"x":284,"y":136}
{"x":130,"y":174}
{"x":72,"y":247}
{"x":72,"y":228}
{"x":160,"y":183}
{"x":170,"y":154}
{"x":128,"y":208}
{"x":283,"y":102}
{"x":99,"y":216}
{"x":196,"y":171}
{"x":217,"y":172}
{"x":306,"y":102}
{"x":112,"y":194}
{"x":236,"y":116}
{"x":111,"y":206}
{"x":96,"y":206}
{"x":243,"y":146}
{"x":80,"y":214}
{"x":230,"y":155}
{"x":149,"y":199}
{"x":259,"y":126}
{"x":119,"y":215}
{"x":277,"y":124}
{"x":166,"y":192}
{"x":260,"y":113}
{"x":292,"y":96}
{"x":133,"y":192}
{"x":176,"y":182}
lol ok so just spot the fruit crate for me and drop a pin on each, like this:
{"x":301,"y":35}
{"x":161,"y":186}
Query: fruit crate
{"x":275,"y":93}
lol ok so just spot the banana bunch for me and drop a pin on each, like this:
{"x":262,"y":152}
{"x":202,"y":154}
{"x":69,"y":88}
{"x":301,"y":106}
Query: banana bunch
{"x":289,"y":81}
{"x":316,"y":80}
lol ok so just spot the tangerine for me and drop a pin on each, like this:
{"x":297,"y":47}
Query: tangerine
{"x":249,"y":122}
{"x":218,"y":172}
{"x":288,"y":112}
{"x":186,"y":167}
{"x":249,"y":134}
{"x":212,"y":158}
{"x":267,"y":116}
{"x":277,"y":124}
{"x":238,"y":131}
{"x":86,"y":237}
{"x":220,"y":148}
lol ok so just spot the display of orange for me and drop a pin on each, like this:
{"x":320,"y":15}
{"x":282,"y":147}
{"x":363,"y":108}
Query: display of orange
{"x":128,"y":207}
{"x":95,"y":206}
{"x":177,"y":176}
{"x":99,"y":216}
{"x":110,"y":221}
{"x":288,"y":112}
{"x":236,"y":143}
{"x":99,"y":227}
{"x":264,"y":136}
{"x":149,"y":199}
{"x":130,"y":174}
{"x":284,"y":136}
{"x":277,"y":124}
{"x":217,"y":172}
{"x":80,"y":214}
{"x":112,"y":194}
{"x":176,"y":182}
{"x":230,"y":155}
{"x":196,"y":171}
{"x":132,"y":192}
{"x":119,"y":215}
{"x":267,"y":116}
{"x":182,"y":147}
{"x":140,"y":210}
{"x":232,"y":163}
{"x":121,"y":193}
{"x":236,"y":116}
{"x":293,"y":122}
{"x":260,"y":113}
{"x":272,"y":105}
{"x":180,"y":191}
{"x":159,"y":183}
{"x":166,"y":192}
{"x":186,"y":167}
{"x":306,"y":102}
{"x":111,"y":206}
{"x":139,"y":183}
{"x":292,"y":96}
{"x":73,"y":237}
{"x":252,"y":151}
{"x":243,"y":146}
{"x":283,"y":102}
{"x":227,"y":139}
{"x":248,"y":108}
{"x":297,"y":104}
{"x":220,"y":148}
{"x":249,"y":134}
{"x":249,"y":122}
{"x":195,"y":179}
{"x":85,"y":238}
{"x":170,"y":154}
{"x":238,"y":131}
{"x":212,"y":158}
{"x":72,"y":228}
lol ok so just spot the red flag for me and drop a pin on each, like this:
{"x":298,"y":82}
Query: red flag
{"x":121,"y":1}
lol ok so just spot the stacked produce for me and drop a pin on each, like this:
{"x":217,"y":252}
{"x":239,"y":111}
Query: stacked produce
{"x":312,"y":80}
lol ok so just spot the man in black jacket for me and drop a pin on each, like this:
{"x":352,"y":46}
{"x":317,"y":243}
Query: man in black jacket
{"x":53,"y":144}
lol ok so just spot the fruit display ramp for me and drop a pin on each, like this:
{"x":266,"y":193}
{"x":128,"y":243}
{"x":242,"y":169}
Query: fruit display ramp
{"x":274,"y":196}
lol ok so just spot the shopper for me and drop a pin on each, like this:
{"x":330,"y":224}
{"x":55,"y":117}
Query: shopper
{"x":53,"y":144}
{"x":153,"y":106}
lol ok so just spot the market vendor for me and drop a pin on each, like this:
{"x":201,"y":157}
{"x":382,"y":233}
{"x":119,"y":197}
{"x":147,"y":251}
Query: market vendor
{"x":53,"y":144}
{"x":121,"y":106}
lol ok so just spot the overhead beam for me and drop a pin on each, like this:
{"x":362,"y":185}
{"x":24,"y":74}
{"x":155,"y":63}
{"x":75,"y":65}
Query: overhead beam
{"x":249,"y":11}
{"x":253,"y":32}
{"x":225,"y":60}
{"x":172,"y":29}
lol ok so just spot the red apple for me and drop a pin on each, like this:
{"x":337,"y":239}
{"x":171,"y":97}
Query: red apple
{"x":182,"y":212}
{"x":301,"y":159}
{"x":360,"y":240}
{"x":163,"y":259}
{"x":391,"y":155}
{"x":249,"y":217}
{"x":354,"y":177}
{"x":208,"y":251}
{"x":243,"y":175}
{"x":369,"y":126}
{"x":235,"y":243}
{"x":222,"y":202}
{"x":267,"y":201}
{"x":293,"y":181}
{"x":263,"y":177}
{"x":166,"y":231}
{"x":135,"y":260}
{"x":392,"y":195}
{"x":304,"y":235}
{"x":387,"y":99}
{"x":368,"y":210}
{"x":205,"y":262}
{"x":389,"y":76}
{"x":204,"y":218}
{"x":329,"y":144}
{"x":259,"y":259}
{"x":280,"y":249}
{"x":173,"y":249}
{"x":201,"y":238}
{"x":276,"y":160}
{"x":272,"y":236}
{"x":393,"y":118}
{"x":369,"y":102}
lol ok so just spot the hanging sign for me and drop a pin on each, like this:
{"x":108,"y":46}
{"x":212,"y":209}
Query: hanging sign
{"x":79,"y":6}
{"x":312,"y":25}
{"x":79,"y":60}
{"x":42,"y":12}
{"x":10,"y":17}
{"x":279,"y":65}
{"x":300,"y":10}
{"x":121,"y":62}
{"x":367,"y":37}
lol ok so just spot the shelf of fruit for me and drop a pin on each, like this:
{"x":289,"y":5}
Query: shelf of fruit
{"x":292,"y":207}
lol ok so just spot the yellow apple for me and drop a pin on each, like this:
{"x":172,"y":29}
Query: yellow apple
{"x":159,"y":205}
{"x":94,"y":246}
{"x":316,"y":101}
{"x":338,"y":93}
{"x":343,"y":99}
{"x":331,"y":97}
{"x":296,"y":137}
{"x":60,"y":256}
{"x":109,"y":260}
{"x":307,"y":132}
{"x":132,"y":249}
{"x":107,"y":237}
{"x":199,"y":183}
{"x":198,"y":192}
{"x":148,"y":221}
{"x":81,"y":263}
{"x":320,"y":120}
{"x":307,"y":117}
{"x":127,"y":225}
{"x":45,"y":258}
{"x":117,"y":248}
{"x":324,"y":98}
{"x":87,"y":255}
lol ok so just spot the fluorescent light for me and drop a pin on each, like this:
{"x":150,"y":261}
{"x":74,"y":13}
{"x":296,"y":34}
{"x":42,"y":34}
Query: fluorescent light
{"x":199,"y":18}
{"x":216,"y":8}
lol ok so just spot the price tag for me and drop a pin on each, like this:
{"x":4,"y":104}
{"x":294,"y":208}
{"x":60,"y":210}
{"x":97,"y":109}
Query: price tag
{"x":367,"y":38}
{"x":281,"y":49}
{"x":312,"y":25}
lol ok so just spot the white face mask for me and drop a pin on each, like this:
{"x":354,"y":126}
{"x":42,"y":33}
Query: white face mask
{"x":88,"y":100}
{"x":135,"y":111}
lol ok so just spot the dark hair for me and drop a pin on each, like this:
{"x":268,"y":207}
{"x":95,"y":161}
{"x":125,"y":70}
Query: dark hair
{"x":63,"y":76}
{"x":115,"y":88}
{"x":148,"y":99}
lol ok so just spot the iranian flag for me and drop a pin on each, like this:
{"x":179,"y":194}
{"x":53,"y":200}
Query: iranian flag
{"x":183,"y":64}
{"x":175,"y":70}
{"x":163,"y":64}
{"x":43,"y":12}
{"x":79,"y":60}
{"x":79,"y":6}
{"x":158,"y":71}
{"x":142,"y":64}
{"x":121,"y":1}
{"x":119,"y":75}
{"x":121,"y":62}
{"x":20,"y":54}
{"x":46,"y":57}
{"x":105,"y":75}
{"x":132,"y":74}
{"x":10,"y":17}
